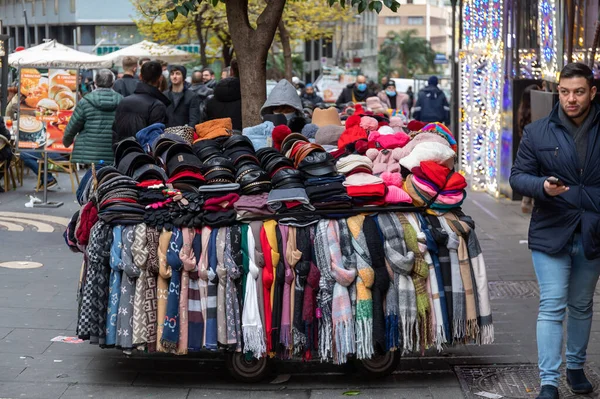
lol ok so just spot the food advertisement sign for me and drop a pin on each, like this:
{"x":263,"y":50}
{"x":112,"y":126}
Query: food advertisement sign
{"x":331,"y":85}
{"x":47,"y":101}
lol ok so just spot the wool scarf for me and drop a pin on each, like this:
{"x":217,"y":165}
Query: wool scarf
{"x":302,"y":269}
{"x":199,"y":300}
{"x":286,"y":328}
{"x":170,"y":336}
{"x":238,"y":258}
{"x":195,"y":310}
{"x":139,"y":250}
{"x":259,"y":260}
{"x":254,"y":338}
{"x":309,"y":307}
{"x":459,"y":304}
{"x":341,"y":309}
{"x":381,"y":283}
{"x":401,"y":301}
{"x":221,"y":288}
{"x":232,"y":304}
{"x":293,"y":257}
{"x":188,"y":259}
{"x":348,"y":258}
{"x":278,"y":288}
{"x":162,"y":286}
{"x":211,"y":326}
{"x":466,"y":226}
{"x":130,"y":273}
{"x":114,"y":292}
{"x":325,"y":295}
{"x":267,"y":280}
{"x":441,"y":240}
{"x":150,"y":297}
{"x":364,"y":282}
{"x":420,"y":273}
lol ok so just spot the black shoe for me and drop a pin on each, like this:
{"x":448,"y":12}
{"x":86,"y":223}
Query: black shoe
{"x":548,"y":392}
{"x":51,"y":183}
{"x":578,"y":382}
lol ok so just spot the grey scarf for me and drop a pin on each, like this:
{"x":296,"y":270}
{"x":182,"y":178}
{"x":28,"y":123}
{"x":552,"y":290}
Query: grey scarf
{"x":130,"y":273}
{"x":579,"y":133}
{"x":325,"y":295}
{"x":139,"y":251}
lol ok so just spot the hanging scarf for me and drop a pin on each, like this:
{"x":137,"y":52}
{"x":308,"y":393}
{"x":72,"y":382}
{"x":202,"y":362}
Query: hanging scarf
{"x":232,"y":305}
{"x":401,"y":304}
{"x":162,"y":286}
{"x":222,"y":287}
{"x":286,"y":329}
{"x":325,"y":296}
{"x":150,"y":297}
{"x":343,"y":323}
{"x":199,"y":300}
{"x":381,"y":283}
{"x":302,"y":269}
{"x":309,"y":307}
{"x":466,"y":226}
{"x":114,"y":292}
{"x":139,"y":250}
{"x":130,"y":273}
{"x":245,"y":265}
{"x":210,"y":333}
{"x":441,"y":240}
{"x":459,"y":305}
{"x":348,"y":258}
{"x":195,"y":305}
{"x":87,"y":313}
{"x":268,"y":280}
{"x":278,"y":288}
{"x":364,"y":281}
{"x":170,"y":336}
{"x":293,"y":257}
{"x":259,"y":260}
{"x":188,"y":260}
{"x":254,"y":338}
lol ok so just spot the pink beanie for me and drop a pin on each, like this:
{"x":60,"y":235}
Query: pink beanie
{"x":390,"y":141}
{"x":369,"y":124}
{"x":392,"y":179}
{"x":397,"y":123}
{"x":396,"y":195}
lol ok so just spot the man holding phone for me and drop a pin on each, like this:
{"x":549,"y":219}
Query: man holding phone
{"x":558,"y":164}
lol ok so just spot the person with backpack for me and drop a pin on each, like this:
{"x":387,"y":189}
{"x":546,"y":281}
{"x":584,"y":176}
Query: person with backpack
{"x":432,"y":104}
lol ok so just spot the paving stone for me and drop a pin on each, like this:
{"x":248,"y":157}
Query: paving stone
{"x":8,"y":374}
{"x":106,"y":377}
{"x":102,"y":392}
{"x":38,"y":390}
{"x":23,"y":346}
{"x":35,"y":334}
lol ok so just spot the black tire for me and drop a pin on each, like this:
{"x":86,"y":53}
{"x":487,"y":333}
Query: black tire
{"x":380,"y":365}
{"x":244,"y":370}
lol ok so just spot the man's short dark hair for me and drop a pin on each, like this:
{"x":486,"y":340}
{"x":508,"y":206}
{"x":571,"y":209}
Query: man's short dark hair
{"x":197,"y":77}
{"x":577,"y":70}
{"x":235,"y":69}
{"x":151,"y":72}
{"x":212,"y":73}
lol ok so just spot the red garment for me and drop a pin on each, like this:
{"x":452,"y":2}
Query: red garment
{"x":148,"y":183}
{"x":360,"y":169}
{"x":353,"y":120}
{"x":268,"y":279}
{"x":113,"y":200}
{"x":388,"y":141}
{"x":415,"y":126}
{"x":221,"y":203}
{"x":292,"y":204}
{"x":186,"y":173}
{"x":361,"y":146}
{"x":351,"y":135}
{"x":437,"y":174}
{"x":279,"y":133}
{"x":368,"y":190}
{"x":87,"y":218}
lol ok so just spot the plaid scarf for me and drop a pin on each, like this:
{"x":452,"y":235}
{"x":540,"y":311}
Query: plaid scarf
{"x":130,"y":273}
{"x":162,"y":286}
{"x":254,"y":338}
{"x":309,"y":306}
{"x":211,"y":326}
{"x":303,"y":245}
{"x":139,"y":250}
{"x":348,"y":258}
{"x":221,"y":288}
{"x":114,"y":292}
{"x":188,"y":259}
{"x":150,"y":296}
{"x":401,"y":302}
{"x":364,"y":281}
{"x":232,"y":304}
{"x":341,"y":309}
{"x":170,"y":336}
{"x":325,"y":295}
{"x":459,"y":304}
{"x":195,"y":310}
{"x":419,"y":276}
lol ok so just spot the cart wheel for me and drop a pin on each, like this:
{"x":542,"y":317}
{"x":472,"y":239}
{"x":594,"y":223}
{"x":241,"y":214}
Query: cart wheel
{"x":381,"y":365}
{"x":246,"y":369}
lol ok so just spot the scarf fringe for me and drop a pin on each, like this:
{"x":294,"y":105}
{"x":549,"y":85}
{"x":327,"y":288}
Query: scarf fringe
{"x":169,"y":346}
{"x":254,"y":341}
{"x":343,"y":341}
{"x":285,"y":338}
{"x":410,"y":334}
{"x":459,"y":329}
{"x":440,"y":337}
{"x":299,"y":341}
{"x":364,"y":339}
{"x":325,"y":338}
{"x":392,"y":332}
{"x":472,"y":329}
{"x":486,"y":334}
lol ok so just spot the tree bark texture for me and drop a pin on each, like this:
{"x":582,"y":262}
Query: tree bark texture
{"x":251,"y":48}
{"x":287,"y":50}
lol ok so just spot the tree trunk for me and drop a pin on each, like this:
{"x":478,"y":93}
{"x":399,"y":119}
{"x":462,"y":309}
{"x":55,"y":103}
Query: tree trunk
{"x":287,"y":51}
{"x":199,"y":22}
{"x":251,"y":48}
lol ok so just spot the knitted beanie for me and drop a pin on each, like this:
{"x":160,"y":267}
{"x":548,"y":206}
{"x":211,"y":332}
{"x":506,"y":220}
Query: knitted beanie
{"x":436,"y":152}
{"x":369,"y":124}
{"x":353,"y":120}
{"x":426,"y":137}
{"x":279,"y":133}
{"x":391,"y":179}
{"x":260,"y":135}
{"x":396,"y":195}
{"x":415,"y":126}
{"x":351,"y":135}
{"x":390,"y":141}
{"x":397,"y":123}
{"x":310,"y":130}
{"x":329,"y":135}
{"x":385,"y":130}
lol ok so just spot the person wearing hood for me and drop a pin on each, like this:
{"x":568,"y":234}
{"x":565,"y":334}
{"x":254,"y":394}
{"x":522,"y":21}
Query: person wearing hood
{"x":227,"y":99}
{"x":185,"y":104}
{"x":432,"y":104}
{"x":146,"y":106}
{"x":309,"y":97}
{"x":355,"y":93}
{"x":283,"y":99}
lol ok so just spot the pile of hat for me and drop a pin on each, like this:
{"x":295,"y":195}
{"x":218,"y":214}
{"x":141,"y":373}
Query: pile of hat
{"x":117,"y":198}
{"x":364,"y":187}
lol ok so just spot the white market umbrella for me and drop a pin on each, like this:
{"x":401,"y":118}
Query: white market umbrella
{"x":55,"y":55}
{"x":150,"y":50}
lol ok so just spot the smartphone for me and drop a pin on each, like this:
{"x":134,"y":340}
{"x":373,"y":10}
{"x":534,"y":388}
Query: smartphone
{"x":555,"y":180}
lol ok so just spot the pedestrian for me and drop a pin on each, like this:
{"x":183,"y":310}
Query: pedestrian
{"x":208,"y":75}
{"x":411,"y":98}
{"x":143,"y":60}
{"x":126,"y":85}
{"x":185,"y":104}
{"x":309,"y":97}
{"x":392,"y":99}
{"x":202,"y":91}
{"x":524,"y":119}
{"x":227,"y":99}
{"x":384,"y":81}
{"x":355,"y":93}
{"x":432,"y":104}
{"x":558,"y":164}
{"x":146,"y":106}
{"x":90,"y":124}
{"x":6,"y":153}
{"x":283,"y":99}
{"x":225,"y":73}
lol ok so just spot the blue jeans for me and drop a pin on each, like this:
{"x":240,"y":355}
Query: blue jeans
{"x":566,"y":279}
{"x":30,"y":159}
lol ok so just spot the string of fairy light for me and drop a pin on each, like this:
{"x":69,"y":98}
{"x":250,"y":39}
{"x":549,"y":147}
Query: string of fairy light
{"x":547,"y":27}
{"x":482,"y":80}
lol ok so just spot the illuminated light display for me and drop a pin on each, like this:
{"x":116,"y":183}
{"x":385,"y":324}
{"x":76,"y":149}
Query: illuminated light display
{"x":547,"y":26}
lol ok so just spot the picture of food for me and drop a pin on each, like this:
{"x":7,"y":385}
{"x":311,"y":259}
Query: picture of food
{"x":63,"y":121}
{"x":31,"y":132}
{"x":64,"y":78}
{"x":30,"y":79}
{"x":35,"y":94}
{"x":63,"y":96}
{"x":46,"y":108}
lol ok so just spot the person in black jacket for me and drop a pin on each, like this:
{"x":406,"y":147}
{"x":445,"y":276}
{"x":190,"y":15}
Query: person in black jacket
{"x":355,"y":93}
{"x":432,"y":104}
{"x":185,"y":104}
{"x":309,"y":97}
{"x":558,"y":164}
{"x":227,"y":100}
{"x":202,"y":91}
{"x":127,"y":84}
{"x":147,"y":105}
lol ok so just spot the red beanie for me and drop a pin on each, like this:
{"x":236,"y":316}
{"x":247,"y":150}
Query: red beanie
{"x":353,"y":120}
{"x":279,"y":133}
{"x":351,"y":135}
{"x":415,"y":126}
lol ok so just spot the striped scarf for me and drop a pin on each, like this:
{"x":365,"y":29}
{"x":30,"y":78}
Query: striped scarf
{"x":325,"y":295}
{"x":195,"y":310}
{"x":188,"y":259}
{"x":150,"y":295}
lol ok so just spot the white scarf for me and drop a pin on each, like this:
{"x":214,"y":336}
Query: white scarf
{"x":254,"y":338}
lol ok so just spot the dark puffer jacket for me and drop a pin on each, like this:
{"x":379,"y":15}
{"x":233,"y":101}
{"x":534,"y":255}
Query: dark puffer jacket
{"x":226,"y":102}
{"x":90,"y":127}
{"x":432,"y":106}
